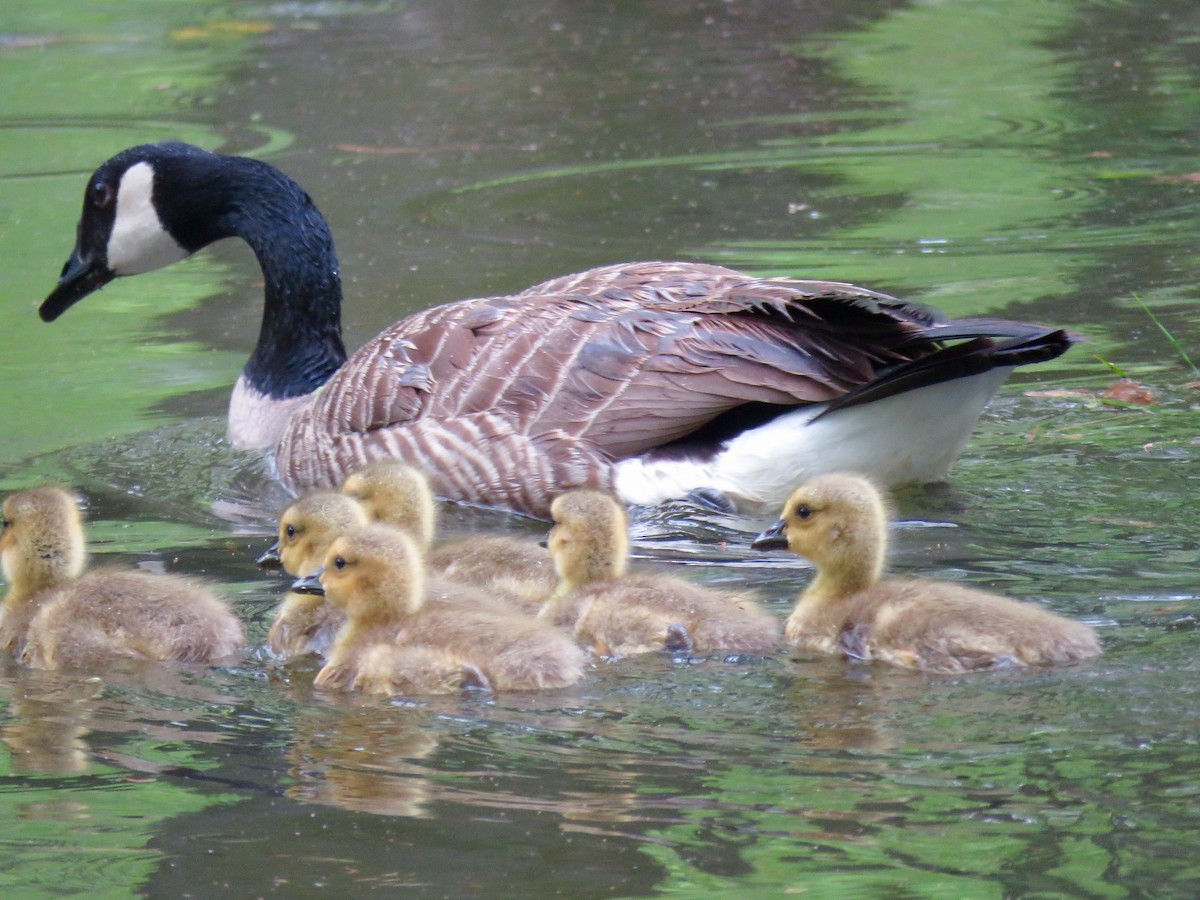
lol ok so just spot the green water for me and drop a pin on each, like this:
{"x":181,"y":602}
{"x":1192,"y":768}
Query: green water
{"x":1004,"y":157}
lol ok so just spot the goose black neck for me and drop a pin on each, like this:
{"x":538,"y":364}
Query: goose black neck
{"x":300,"y":340}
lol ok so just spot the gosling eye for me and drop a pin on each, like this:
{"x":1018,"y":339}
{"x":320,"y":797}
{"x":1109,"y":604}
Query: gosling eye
{"x":339,"y":562}
{"x":290,"y":531}
{"x":803,"y":511}
{"x":4,"y":523}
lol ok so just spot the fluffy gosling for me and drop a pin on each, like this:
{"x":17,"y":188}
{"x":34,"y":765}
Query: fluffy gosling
{"x":397,"y":639}
{"x":619,"y":614}
{"x":839,"y":522}
{"x":55,"y":617}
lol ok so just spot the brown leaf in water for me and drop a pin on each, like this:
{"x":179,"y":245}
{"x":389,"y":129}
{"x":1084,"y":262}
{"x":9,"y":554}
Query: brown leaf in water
{"x":1126,"y":390}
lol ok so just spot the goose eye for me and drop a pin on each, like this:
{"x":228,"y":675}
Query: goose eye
{"x":290,"y":531}
{"x":803,"y":511}
{"x":101,"y":194}
{"x":4,"y":523}
{"x":339,"y":562}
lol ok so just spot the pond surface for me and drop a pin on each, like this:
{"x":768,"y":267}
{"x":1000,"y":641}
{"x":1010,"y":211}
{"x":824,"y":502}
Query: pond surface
{"x":1028,"y":158}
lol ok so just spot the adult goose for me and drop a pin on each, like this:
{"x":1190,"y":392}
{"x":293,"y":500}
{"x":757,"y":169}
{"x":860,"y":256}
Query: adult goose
{"x":652,"y":380}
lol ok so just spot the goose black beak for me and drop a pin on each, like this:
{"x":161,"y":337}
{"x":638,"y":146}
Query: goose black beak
{"x":310,"y":584}
{"x":79,"y":278}
{"x":270,"y":558}
{"x":774,"y":538}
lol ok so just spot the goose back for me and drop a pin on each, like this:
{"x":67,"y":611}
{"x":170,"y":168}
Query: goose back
{"x":514,"y":399}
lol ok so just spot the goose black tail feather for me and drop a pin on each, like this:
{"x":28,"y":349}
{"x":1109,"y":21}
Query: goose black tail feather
{"x":956,"y":329}
{"x":972,"y":357}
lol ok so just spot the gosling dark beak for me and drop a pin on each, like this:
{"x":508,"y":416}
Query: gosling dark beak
{"x":270,"y":558}
{"x":79,"y":278}
{"x":774,"y":538}
{"x":310,"y":584}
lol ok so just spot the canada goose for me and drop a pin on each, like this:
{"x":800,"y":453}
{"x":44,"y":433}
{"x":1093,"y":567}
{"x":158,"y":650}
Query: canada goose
{"x":397,"y":639}
{"x":55,"y":617}
{"x":839,"y":522}
{"x":306,"y":623}
{"x":652,"y":380}
{"x":620,"y":614}
{"x":399,"y":494}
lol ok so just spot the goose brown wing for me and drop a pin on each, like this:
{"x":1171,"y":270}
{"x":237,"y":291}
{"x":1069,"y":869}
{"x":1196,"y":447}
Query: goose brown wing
{"x":663,"y":349}
{"x":615,"y":361}
{"x":556,"y":354}
{"x":650,"y":353}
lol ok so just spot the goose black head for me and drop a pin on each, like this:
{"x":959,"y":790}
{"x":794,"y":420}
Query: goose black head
{"x":130,"y":223}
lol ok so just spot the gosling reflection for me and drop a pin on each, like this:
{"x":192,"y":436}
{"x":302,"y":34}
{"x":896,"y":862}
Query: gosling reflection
{"x":48,"y":722}
{"x":363,"y":759}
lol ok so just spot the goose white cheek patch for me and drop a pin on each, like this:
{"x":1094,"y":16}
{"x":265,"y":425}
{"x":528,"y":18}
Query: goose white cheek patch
{"x":139,"y":242}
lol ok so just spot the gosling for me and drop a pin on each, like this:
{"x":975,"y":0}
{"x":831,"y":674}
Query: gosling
{"x":398,"y":640}
{"x":305,"y":623}
{"x":621,"y":615}
{"x":400,"y":494}
{"x":56,"y":617}
{"x":839,"y":522}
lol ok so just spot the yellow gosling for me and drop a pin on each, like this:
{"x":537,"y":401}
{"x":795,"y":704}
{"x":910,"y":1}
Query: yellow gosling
{"x":55,"y":617}
{"x":398,"y":639}
{"x":400,"y":494}
{"x":619,"y":614}
{"x":305,"y":623}
{"x":839,"y":522}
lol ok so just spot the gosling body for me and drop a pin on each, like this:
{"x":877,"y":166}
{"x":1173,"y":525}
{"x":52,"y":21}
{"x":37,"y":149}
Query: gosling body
{"x":839,"y":522}
{"x":54,"y":617}
{"x":619,"y":614}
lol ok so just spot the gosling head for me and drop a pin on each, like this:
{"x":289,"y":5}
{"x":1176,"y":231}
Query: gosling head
{"x":42,"y":542}
{"x":396,"y":493}
{"x":375,"y":573}
{"x":590,"y":537}
{"x":839,"y":521}
{"x":309,"y":526}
